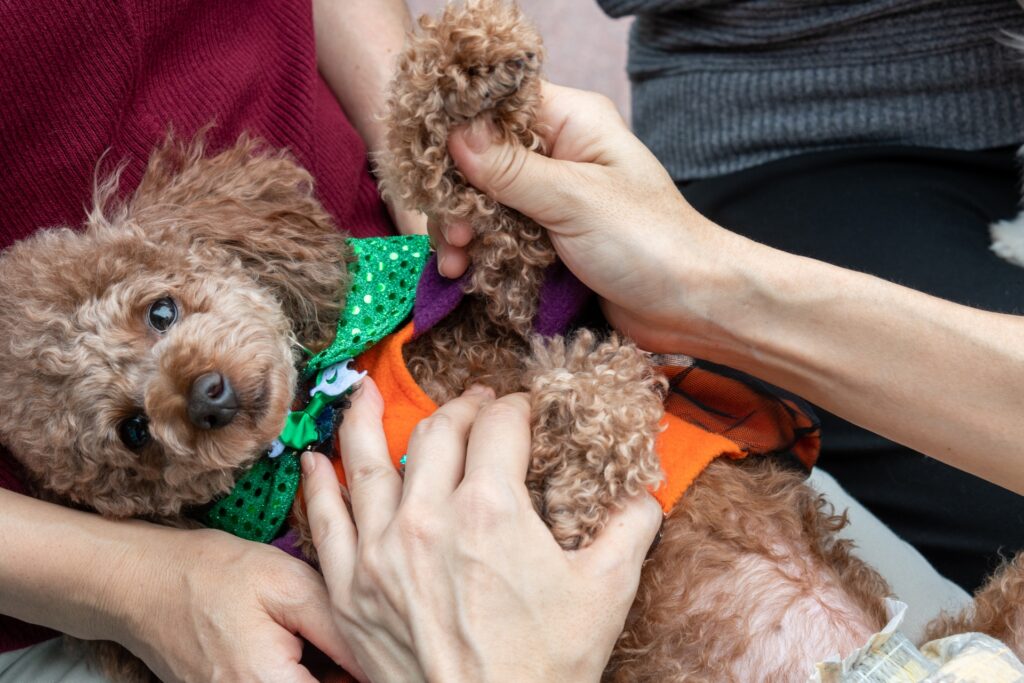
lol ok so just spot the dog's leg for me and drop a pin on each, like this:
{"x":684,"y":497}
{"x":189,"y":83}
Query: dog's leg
{"x":596,"y":408}
{"x":480,"y":62}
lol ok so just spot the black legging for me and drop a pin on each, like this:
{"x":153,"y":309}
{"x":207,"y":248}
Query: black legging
{"x":918,"y":217}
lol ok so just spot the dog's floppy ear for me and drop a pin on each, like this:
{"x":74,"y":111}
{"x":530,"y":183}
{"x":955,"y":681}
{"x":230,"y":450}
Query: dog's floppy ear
{"x":258,"y":206}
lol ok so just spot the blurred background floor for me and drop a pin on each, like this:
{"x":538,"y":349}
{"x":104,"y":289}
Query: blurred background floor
{"x":585,"y":49}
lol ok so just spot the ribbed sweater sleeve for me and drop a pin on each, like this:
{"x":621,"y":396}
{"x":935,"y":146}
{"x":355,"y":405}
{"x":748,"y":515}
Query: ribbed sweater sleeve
{"x":621,"y":8}
{"x":723,"y":85}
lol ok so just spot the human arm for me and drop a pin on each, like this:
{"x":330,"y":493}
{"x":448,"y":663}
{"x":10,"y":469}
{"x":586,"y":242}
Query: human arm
{"x":194,"y":605}
{"x":450,"y":575}
{"x":935,"y":376}
{"x":357,"y":42}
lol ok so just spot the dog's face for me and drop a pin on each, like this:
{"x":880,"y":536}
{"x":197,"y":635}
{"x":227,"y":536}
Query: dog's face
{"x":146,"y":372}
{"x":147,"y":360}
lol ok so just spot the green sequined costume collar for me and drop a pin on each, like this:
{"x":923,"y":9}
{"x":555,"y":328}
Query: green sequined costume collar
{"x":384,"y":278}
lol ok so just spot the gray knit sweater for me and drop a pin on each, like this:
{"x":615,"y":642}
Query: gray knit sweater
{"x":722,"y":85}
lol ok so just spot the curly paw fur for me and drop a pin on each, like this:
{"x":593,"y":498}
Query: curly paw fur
{"x":596,"y":407}
{"x":481,"y":61}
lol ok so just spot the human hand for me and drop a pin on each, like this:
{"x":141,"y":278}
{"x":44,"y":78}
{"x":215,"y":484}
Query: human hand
{"x":406,"y":221}
{"x":207,"y":606}
{"x":614,"y":214}
{"x":451,"y":575}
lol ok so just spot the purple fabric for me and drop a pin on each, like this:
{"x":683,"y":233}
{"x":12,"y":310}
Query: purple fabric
{"x":436,"y":297}
{"x":289,"y":543}
{"x":562,"y":297}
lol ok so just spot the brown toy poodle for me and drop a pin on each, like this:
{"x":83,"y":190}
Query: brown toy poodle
{"x":150,"y":359}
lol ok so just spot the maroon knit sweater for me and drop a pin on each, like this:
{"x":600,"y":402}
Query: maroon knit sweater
{"x":80,"y":78}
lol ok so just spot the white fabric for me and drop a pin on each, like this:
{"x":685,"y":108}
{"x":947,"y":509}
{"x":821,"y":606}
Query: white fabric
{"x":48,"y":662}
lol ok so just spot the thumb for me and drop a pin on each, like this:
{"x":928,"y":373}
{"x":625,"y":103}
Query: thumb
{"x":621,"y":547}
{"x":306,"y":611}
{"x":511,"y":174}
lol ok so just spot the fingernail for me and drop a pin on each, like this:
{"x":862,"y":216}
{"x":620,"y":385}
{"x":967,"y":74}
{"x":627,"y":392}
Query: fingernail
{"x":479,"y":136}
{"x":479,"y":390}
{"x":308,"y":463}
{"x":440,"y":263}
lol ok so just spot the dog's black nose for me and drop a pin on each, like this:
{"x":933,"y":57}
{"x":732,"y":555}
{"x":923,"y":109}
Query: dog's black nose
{"x":212,"y":402}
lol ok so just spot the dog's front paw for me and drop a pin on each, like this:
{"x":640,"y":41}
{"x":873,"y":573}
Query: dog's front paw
{"x":477,"y":87}
{"x":478,"y":58}
{"x":482,"y":56}
{"x":596,"y":413}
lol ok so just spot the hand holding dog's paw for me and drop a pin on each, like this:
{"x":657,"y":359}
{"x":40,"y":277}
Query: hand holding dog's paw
{"x":450,"y":240}
{"x":613,"y":213}
{"x":407,"y":221}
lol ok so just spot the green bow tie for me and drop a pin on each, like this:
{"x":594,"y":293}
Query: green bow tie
{"x":384,"y":279}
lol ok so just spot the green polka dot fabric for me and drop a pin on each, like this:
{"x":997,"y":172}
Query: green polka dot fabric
{"x":384,"y":279}
{"x":261,"y":500}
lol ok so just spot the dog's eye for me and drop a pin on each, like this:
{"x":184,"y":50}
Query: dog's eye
{"x":134,"y":432}
{"x":162,"y":314}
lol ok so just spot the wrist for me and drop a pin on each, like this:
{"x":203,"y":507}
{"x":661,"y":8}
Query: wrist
{"x":65,"y":569}
{"x":135,"y":573}
{"x":705,"y":279}
{"x":748,"y":305}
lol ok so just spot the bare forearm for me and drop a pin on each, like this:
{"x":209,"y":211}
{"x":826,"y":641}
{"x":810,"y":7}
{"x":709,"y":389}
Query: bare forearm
{"x":357,"y":43}
{"x":66,"y":569}
{"x":938,"y":377}
{"x":941,"y":378}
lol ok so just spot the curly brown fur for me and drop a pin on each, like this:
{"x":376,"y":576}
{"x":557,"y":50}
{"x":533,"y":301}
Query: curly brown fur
{"x":997,"y":610}
{"x":115,"y":662}
{"x":596,"y":409}
{"x":748,"y":583}
{"x":255,"y":268}
{"x":253,"y":264}
{"x":477,"y":63}
{"x":465,"y":349}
